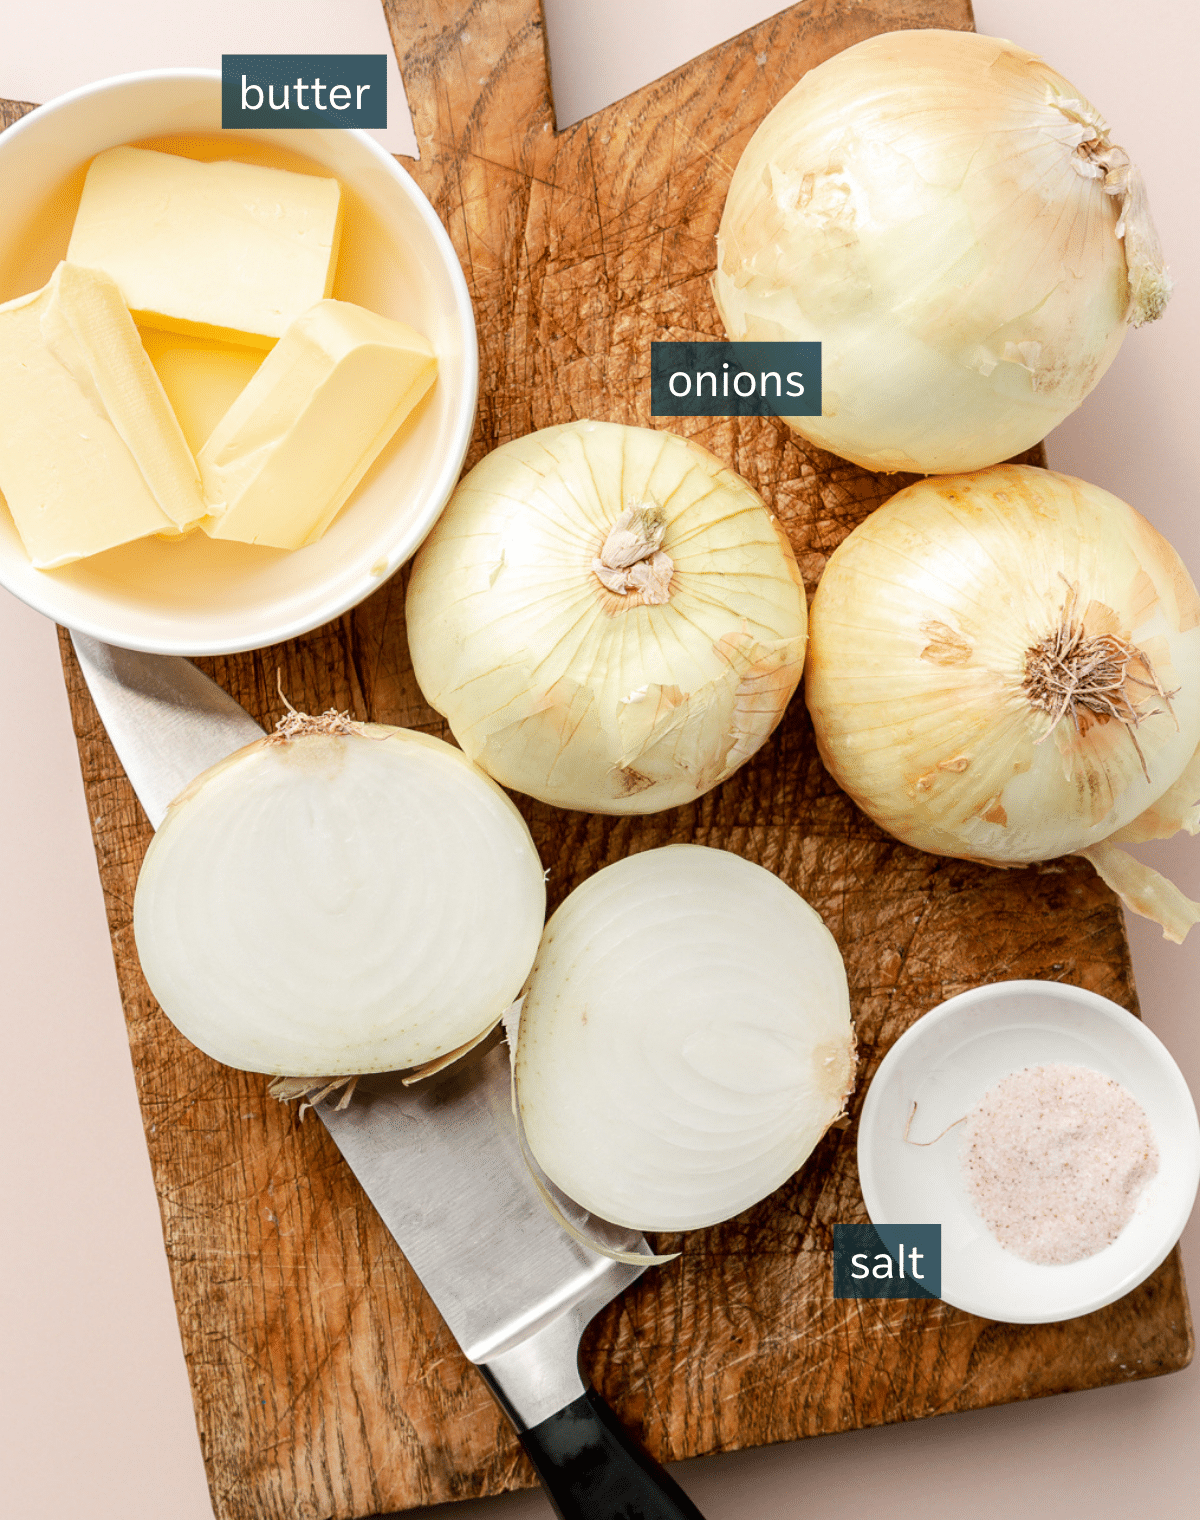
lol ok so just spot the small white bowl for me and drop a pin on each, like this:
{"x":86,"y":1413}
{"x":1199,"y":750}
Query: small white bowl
{"x":944,"y":1064}
{"x":198,"y":596}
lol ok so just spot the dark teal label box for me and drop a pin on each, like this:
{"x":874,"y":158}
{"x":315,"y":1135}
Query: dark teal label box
{"x":735,"y":379}
{"x":887,"y":1261}
{"x":305,"y":90}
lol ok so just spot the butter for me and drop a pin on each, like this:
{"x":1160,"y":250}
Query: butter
{"x":281,"y":463}
{"x":92,"y":335}
{"x":90,"y":453}
{"x":223,"y":250}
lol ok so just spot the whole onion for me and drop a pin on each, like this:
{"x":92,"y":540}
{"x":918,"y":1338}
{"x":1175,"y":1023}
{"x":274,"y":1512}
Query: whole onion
{"x":1005,"y":666}
{"x":951,"y":220}
{"x":609,"y":618}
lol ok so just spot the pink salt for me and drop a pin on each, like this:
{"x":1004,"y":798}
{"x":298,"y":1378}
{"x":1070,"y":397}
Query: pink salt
{"x":1055,"y":1158}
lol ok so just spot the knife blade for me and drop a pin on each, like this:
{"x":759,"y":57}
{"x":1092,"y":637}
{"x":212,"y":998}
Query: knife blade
{"x":441,"y":1161}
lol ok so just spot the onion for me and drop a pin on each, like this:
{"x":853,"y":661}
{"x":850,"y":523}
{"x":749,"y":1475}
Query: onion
{"x":951,"y":220}
{"x":608,"y":618}
{"x":1006,"y":667}
{"x":349,"y":899}
{"x":685,"y":1039}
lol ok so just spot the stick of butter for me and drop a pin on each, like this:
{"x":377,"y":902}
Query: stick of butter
{"x":91,"y":455}
{"x":281,"y":463}
{"x":225,"y":250}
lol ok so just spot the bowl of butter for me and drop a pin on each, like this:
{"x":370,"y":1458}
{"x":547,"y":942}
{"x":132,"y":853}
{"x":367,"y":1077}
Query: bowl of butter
{"x":238,"y":370}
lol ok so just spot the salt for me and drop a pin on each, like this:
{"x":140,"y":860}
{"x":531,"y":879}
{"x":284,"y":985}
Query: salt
{"x":1055,"y":1158}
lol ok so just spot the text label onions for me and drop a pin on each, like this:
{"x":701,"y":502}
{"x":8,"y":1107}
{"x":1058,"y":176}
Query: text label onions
{"x":951,"y":220}
{"x":1006,"y":667}
{"x":685,"y":1040}
{"x":609,"y":618}
{"x":339,"y":902}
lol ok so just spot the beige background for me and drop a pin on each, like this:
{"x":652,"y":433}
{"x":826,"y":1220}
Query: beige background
{"x":48,"y":49}
{"x":95,"y":1414}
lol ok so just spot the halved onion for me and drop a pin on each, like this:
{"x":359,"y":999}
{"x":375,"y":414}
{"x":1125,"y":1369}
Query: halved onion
{"x":685,"y":1039}
{"x":339,"y":902}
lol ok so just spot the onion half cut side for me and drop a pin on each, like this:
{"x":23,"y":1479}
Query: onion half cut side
{"x":339,"y":903}
{"x":685,"y":1039}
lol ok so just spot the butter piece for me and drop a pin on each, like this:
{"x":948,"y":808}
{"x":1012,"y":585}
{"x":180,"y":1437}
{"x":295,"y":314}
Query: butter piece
{"x":91,"y":334}
{"x":86,"y":434}
{"x":224,"y":250}
{"x":281,"y":463}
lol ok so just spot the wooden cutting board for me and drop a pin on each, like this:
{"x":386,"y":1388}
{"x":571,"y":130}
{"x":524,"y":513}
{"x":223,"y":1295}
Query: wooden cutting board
{"x":324,"y":1381}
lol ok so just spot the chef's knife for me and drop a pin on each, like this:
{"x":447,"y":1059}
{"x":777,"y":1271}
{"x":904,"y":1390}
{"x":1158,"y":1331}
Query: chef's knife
{"x":439,"y":1160}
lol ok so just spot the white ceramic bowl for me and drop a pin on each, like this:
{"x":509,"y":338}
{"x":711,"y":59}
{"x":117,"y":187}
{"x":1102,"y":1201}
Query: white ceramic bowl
{"x":199,"y":596}
{"x":944,"y":1064}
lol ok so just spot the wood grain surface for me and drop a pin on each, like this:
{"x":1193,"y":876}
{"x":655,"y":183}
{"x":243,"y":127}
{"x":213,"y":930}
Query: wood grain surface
{"x":324,"y":1381}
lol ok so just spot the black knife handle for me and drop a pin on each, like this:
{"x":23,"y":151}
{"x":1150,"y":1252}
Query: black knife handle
{"x":593,"y":1469}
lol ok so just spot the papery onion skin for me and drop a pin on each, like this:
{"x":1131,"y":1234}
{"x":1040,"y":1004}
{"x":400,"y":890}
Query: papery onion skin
{"x":685,"y":1039}
{"x":919,"y":662}
{"x":562,"y":689}
{"x":330,"y":905}
{"x":930,"y":206}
